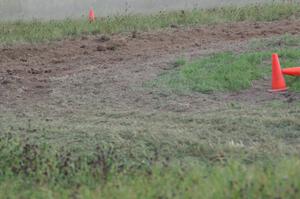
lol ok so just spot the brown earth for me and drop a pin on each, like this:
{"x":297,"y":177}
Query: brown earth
{"x":109,"y":70}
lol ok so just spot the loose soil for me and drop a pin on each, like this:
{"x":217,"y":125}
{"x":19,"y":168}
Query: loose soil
{"x":110,"y":71}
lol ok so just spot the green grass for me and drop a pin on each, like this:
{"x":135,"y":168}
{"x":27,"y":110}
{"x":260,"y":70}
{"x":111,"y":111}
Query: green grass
{"x":37,"y":171}
{"x":41,"y":31}
{"x":228,"y":71}
{"x":224,"y":71}
{"x":233,"y":180}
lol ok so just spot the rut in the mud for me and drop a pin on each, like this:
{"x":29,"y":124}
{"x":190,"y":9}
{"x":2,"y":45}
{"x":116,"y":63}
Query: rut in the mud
{"x":119,"y":62}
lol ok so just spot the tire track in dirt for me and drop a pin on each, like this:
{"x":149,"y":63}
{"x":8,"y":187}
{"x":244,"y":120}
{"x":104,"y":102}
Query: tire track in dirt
{"x":121,"y":61}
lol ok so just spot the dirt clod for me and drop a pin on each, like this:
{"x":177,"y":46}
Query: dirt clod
{"x":10,"y":72}
{"x":134,"y":34}
{"x":48,"y":71}
{"x":111,"y":47}
{"x":57,"y":61}
{"x":23,"y":60}
{"x":34,"y":71}
{"x":5,"y":81}
{"x":103,"y":38}
{"x":101,"y":48}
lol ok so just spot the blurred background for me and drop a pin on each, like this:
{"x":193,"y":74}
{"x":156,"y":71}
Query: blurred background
{"x":59,"y":9}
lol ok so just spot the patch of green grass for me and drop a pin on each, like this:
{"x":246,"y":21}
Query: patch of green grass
{"x":228,"y":71}
{"x":219,"y":72}
{"x":38,"y":171}
{"x":40,"y":31}
{"x":224,"y":71}
{"x":234,"y":180}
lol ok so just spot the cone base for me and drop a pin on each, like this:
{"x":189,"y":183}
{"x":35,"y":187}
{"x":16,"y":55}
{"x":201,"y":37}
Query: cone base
{"x":278,"y":90}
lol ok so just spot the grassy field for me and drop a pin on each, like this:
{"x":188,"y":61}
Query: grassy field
{"x":237,"y":151}
{"x":225,"y":149}
{"x":38,"y":172}
{"x":38,"y":31}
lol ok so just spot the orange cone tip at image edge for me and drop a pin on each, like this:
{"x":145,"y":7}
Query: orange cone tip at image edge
{"x":291,"y":71}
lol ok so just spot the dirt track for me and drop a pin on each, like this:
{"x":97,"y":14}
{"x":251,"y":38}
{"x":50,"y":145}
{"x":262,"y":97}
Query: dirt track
{"x":113,"y":68}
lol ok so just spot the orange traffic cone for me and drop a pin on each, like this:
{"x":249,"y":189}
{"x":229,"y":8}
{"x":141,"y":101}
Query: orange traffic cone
{"x":92,"y":17}
{"x":291,"y":71}
{"x":278,"y":82}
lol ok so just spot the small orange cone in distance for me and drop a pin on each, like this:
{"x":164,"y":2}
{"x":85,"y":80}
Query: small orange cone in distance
{"x":92,"y":17}
{"x":291,"y":71}
{"x":278,"y":82}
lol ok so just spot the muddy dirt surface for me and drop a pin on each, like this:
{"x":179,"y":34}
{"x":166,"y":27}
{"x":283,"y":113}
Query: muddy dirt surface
{"x":110,"y":70}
